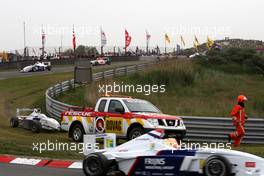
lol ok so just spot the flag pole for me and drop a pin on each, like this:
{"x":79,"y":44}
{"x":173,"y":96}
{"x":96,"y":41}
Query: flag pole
{"x":24,"y":29}
{"x":42,"y":33}
{"x":146,"y":46}
{"x":74,"y":38}
{"x":125,"y":44}
{"x":102,"y":50}
{"x":165,"y":46}
{"x":146,"y":43}
{"x":61,"y":44}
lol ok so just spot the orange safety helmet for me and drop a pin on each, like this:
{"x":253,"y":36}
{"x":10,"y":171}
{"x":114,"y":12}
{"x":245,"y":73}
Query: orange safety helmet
{"x":241,"y":98}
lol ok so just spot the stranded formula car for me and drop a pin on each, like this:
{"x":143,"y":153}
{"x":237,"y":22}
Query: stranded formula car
{"x":149,"y":155}
{"x":39,"y":66}
{"x":34,"y":120}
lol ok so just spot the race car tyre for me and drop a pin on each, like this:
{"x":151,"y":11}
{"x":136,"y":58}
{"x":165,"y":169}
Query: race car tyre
{"x":34,"y":69}
{"x":217,"y":166}
{"x":95,"y":164}
{"x":49,"y":68}
{"x":14,"y":122}
{"x":135,"y":132}
{"x":77,"y":133}
{"x":35,"y":126}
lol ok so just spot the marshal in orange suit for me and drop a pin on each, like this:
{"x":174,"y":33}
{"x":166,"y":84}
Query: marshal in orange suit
{"x":239,"y":117}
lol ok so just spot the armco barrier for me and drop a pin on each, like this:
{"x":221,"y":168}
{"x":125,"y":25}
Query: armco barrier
{"x":199,"y":129}
{"x":54,"y":107}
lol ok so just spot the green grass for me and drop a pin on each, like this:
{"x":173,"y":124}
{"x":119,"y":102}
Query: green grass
{"x":27,"y":92}
{"x":191,"y":89}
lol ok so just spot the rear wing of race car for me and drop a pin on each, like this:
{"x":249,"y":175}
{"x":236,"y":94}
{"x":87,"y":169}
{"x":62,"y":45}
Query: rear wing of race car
{"x":19,"y":111}
{"x":92,"y":145}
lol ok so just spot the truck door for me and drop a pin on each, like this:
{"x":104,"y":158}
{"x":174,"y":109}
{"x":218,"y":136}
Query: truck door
{"x":114,"y":121}
{"x":99,"y":121}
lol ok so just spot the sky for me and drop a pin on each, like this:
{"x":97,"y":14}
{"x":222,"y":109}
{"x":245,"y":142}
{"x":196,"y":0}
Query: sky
{"x":214,"y":18}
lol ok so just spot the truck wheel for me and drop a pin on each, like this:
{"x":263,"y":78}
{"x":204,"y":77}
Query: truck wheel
{"x":135,"y":132}
{"x":14,"y":122}
{"x":77,"y":133}
{"x":217,"y":166}
{"x":35,"y":126}
{"x":95,"y":164}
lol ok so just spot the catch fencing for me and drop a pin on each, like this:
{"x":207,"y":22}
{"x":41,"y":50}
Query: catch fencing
{"x":199,"y":129}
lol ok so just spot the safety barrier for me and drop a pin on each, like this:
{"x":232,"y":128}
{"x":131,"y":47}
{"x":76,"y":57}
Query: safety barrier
{"x":54,"y":107}
{"x":199,"y":129}
{"x":215,"y":129}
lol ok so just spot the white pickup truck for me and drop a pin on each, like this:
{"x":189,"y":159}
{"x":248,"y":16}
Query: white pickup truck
{"x":125,"y":116}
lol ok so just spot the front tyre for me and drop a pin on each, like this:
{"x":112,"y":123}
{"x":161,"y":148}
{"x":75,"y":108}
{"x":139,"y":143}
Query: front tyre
{"x":95,"y":164}
{"x":217,"y":166}
{"x":14,"y":122}
{"x":77,"y":133}
{"x":35,"y":126}
{"x":34,"y":69}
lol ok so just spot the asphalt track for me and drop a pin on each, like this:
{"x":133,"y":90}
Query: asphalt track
{"x":16,"y":73}
{"x":57,"y":69}
{"x":24,"y":170}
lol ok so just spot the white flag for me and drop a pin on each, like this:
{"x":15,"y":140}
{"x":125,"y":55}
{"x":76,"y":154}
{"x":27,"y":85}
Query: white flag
{"x":103,"y":38}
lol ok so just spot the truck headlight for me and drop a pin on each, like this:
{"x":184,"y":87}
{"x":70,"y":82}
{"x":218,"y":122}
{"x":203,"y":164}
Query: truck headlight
{"x":153,"y":122}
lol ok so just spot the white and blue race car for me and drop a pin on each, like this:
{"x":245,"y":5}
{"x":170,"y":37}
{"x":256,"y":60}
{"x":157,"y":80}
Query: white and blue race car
{"x":149,"y":155}
{"x":38,"y":66}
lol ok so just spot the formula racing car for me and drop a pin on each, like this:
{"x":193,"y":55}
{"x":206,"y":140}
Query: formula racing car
{"x":150,"y":154}
{"x":34,"y":120}
{"x":101,"y":61}
{"x":39,"y":66}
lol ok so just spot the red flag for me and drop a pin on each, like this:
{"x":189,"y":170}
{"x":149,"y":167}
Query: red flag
{"x":148,"y":36}
{"x":127,"y":38}
{"x":73,"y":39}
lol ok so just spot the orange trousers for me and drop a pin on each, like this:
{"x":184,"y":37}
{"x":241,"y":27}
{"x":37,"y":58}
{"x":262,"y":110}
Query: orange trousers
{"x":238,"y":135}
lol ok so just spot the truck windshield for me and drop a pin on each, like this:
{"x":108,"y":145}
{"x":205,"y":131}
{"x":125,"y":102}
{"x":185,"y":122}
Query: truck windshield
{"x":136,"y":105}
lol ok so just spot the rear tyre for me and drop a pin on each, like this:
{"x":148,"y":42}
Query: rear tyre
{"x":14,"y":122}
{"x":217,"y":166}
{"x":77,"y":133}
{"x":35,"y":126}
{"x":135,"y":132}
{"x":95,"y":164}
{"x":34,"y":69}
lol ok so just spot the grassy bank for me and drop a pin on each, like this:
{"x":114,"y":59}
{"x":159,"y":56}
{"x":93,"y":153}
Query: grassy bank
{"x":191,"y":89}
{"x":27,"y":92}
